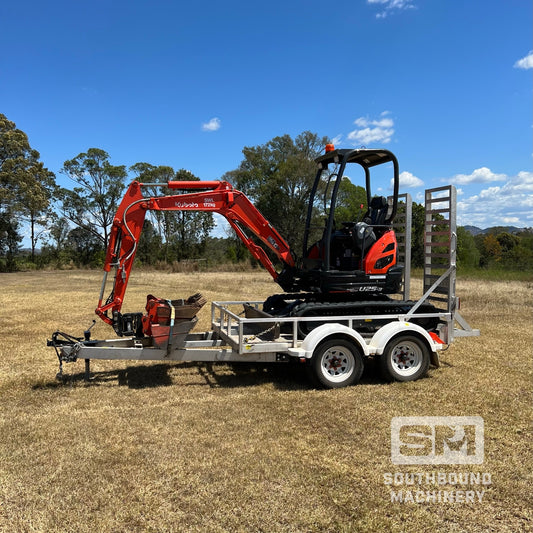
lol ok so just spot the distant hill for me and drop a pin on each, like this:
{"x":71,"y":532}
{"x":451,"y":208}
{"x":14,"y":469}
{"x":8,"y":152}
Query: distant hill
{"x":474,"y":230}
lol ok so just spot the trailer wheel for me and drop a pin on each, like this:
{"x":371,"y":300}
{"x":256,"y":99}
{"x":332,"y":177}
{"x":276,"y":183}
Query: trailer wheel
{"x":336,"y":363}
{"x":405,"y":358}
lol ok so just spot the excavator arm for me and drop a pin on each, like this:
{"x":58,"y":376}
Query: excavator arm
{"x":209,"y":196}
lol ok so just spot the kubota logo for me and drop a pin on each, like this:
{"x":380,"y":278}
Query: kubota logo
{"x":185,"y":204}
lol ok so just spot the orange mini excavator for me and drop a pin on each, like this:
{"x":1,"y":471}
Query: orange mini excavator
{"x":345,"y":270}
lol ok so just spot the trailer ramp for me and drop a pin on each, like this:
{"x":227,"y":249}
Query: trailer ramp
{"x":440,"y":260}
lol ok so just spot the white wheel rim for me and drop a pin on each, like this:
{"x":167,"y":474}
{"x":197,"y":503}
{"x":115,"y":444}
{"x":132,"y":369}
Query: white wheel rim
{"x":406,"y":358}
{"x":337,"y":364}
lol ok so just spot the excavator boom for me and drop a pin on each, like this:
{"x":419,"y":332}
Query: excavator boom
{"x":209,"y":196}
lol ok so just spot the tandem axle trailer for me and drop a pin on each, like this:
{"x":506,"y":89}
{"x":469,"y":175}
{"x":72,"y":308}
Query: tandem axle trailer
{"x":334,"y":349}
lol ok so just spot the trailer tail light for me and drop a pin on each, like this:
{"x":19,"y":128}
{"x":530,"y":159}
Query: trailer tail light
{"x":436,"y":338}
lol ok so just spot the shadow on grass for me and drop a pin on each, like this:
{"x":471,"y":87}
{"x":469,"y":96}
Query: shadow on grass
{"x":213,"y":375}
{"x":283,"y":376}
{"x":134,"y":377}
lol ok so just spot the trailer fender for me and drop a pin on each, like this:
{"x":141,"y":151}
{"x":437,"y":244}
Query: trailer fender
{"x":390,"y":330}
{"x":323,"y":332}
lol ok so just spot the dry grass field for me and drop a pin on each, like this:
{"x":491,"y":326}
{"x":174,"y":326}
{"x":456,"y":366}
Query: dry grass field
{"x":207,"y":447}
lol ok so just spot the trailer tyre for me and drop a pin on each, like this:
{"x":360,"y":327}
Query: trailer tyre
{"x":405,"y":358}
{"x":336,"y":363}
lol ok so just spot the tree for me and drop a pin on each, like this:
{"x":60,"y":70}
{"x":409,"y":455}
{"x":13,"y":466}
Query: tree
{"x":351,"y":202}
{"x":150,"y":245}
{"x":58,"y":234}
{"x":26,"y":186}
{"x":521,"y":255}
{"x":492,"y":249}
{"x":35,"y":203}
{"x":85,"y":245}
{"x":467,"y":252}
{"x":92,"y":205}
{"x":507,"y":241}
{"x":9,"y":241}
{"x":278,"y":177}
{"x":417,"y":235}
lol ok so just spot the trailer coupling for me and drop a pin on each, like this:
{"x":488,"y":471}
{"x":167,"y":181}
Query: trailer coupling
{"x":67,"y":346}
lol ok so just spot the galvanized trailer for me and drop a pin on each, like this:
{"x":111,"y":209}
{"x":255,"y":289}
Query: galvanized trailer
{"x":335,"y":350}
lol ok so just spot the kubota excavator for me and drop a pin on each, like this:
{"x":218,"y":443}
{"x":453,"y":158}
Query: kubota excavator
{"x":347,"y":270}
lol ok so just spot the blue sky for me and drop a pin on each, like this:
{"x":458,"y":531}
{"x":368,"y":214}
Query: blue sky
{"x":446,"y":85}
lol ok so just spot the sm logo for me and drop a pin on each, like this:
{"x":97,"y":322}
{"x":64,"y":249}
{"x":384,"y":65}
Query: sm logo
{"x":437,"y":440}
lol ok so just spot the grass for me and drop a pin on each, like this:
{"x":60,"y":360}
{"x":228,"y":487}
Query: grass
{"x":206,"y":447}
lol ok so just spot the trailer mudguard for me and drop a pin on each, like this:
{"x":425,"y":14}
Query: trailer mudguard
{"x":323,"y":332}
{"x":390,"y":330}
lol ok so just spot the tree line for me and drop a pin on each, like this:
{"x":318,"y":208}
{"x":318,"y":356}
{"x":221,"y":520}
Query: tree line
{"x":69,"y":226}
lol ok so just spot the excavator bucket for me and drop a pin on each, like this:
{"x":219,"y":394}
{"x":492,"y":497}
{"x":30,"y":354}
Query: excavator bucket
{"x":168,"y":322}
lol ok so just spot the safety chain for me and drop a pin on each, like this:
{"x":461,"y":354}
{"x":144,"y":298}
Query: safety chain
{"x":268,"y":330}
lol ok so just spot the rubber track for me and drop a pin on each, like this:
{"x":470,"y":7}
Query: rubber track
{"x":297,"y":305}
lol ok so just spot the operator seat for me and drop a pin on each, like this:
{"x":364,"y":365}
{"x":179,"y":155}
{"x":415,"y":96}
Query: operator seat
{"x":377,"y":211}
{"x":368,"y":231}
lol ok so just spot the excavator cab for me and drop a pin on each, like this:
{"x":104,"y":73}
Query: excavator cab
{"x":360,"y":255}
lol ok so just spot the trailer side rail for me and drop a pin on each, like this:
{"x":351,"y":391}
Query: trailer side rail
{"x":233,"y":328}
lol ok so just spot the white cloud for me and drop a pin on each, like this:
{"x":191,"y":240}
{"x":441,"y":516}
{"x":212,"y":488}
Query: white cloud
{"x":526,"y":62}
{"x":213,"y":125}
{"x":511,"y":220}
{"x":480,"y":175}
{"x":372,"y":131}
{"x":407,"y":180}
{"x":390,"y":5}
{"x":524,"y":181}
{"x":511,"y":203}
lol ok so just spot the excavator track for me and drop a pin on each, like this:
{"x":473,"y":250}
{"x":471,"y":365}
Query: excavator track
{"x":343,"y":304}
